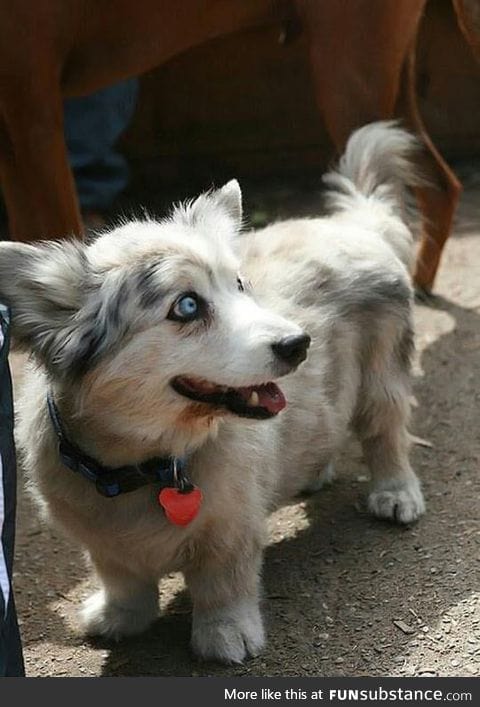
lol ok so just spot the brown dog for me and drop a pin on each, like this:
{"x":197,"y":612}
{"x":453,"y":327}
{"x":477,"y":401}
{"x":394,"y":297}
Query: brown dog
{"x":56,"y":48}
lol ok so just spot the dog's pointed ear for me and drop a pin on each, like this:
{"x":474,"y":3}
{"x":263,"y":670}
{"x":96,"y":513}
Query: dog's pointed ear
{"x":44,"y":286}
{"x":219,"y":209}
{"x":229,"y":197}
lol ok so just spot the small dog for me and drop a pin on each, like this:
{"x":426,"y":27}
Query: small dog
{"x":152,"y":428}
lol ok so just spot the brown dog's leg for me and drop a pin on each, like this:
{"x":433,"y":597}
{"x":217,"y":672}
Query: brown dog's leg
{"x":37,"y":182}
{"x":468,"y":18}
{"x":358,"y":49}
{"x":438,"y":201}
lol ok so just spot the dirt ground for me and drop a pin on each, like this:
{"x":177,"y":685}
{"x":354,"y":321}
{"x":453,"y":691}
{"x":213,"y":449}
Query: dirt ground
{"x":344,"y":594}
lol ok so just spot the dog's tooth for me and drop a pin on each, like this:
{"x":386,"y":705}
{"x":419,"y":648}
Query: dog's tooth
{"x":253,"y":399}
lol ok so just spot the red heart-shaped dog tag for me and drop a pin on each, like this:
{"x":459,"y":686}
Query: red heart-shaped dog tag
{"x":180,"y":508}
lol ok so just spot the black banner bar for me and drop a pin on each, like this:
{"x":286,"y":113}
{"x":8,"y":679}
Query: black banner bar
{"x":221,"y":692}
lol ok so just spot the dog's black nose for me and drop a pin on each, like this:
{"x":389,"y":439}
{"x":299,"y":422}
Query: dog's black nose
{"x":292,"y":349}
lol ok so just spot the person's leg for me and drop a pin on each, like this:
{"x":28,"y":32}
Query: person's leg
{"x":93,"y":125}
{"x":11,"y":659}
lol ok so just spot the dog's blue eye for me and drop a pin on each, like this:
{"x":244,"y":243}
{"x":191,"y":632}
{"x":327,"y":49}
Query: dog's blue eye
{"x":185,"y":309}
{"x":188,"y":306}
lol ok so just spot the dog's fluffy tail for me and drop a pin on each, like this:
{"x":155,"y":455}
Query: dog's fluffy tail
{"x":377,"y":162}
{"x":373,"y":172}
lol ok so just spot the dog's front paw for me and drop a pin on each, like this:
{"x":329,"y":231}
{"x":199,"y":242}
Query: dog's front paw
{"x":400,"y":501}
{"x":230,"y":634}
{"x":103,"y":617}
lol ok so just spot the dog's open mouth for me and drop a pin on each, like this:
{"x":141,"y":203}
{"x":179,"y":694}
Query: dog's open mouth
{"x":259,"y":402}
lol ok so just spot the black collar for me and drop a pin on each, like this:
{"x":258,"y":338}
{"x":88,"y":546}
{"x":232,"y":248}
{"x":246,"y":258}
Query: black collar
{"x":164,"y":472}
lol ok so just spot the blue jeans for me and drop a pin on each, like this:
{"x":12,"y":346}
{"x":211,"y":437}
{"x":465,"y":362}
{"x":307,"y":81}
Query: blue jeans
{"x":11,"y":659}
{"x":93,"y":125}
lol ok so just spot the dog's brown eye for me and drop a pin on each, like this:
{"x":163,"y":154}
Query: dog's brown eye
{"x":240,"y":284}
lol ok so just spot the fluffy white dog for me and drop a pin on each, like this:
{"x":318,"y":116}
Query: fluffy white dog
{"x":151,"y":426}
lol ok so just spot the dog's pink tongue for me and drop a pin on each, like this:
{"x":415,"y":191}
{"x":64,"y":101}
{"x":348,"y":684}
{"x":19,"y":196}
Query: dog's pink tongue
{"x":269,"y":396}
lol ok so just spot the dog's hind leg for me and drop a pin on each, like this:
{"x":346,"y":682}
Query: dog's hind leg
{"x":439,"y":197}
{"x":324,"y":477}
{"x":357,"y":49}
{"x":396,"y":493}
{"x":381,"y":424}
{"x":362,"y":55}
{"x":125,"y":605}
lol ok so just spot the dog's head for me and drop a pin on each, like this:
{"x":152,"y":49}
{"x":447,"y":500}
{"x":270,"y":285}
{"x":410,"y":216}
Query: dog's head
{"x":153,"y":322}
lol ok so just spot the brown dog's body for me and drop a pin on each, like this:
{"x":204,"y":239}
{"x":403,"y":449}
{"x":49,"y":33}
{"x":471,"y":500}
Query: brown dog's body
{"x":57,"y":48}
